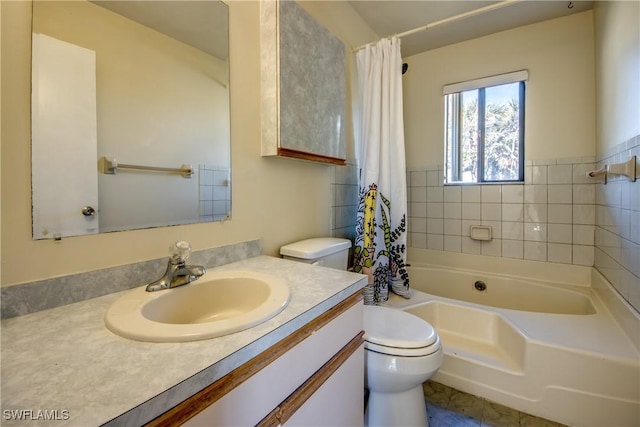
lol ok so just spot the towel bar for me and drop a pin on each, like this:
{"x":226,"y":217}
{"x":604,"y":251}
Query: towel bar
{"x":627,"y":169}
{"x":109,"y":165}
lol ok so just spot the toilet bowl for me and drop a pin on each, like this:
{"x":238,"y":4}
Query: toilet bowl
{"x":401,"y":352}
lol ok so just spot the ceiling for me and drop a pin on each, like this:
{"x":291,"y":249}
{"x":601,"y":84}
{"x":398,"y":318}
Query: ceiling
{"x":196,"y":21}
{"x":389,"y":17}
{"x":202,"y":24}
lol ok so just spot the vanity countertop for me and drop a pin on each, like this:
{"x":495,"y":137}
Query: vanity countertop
{"x":63,"y":363}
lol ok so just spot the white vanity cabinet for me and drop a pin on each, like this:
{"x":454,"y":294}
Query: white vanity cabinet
{"x":315,"y":376}
{"x":337,"y":402}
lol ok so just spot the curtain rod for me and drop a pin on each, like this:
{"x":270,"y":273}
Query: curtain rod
{"x":448,"y":20}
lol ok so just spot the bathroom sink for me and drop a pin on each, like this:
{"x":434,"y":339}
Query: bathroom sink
{"x":218,"y":303}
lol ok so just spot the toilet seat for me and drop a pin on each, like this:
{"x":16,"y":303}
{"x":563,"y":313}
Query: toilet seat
{"x":403,"y":352}
{"x":395,"y":332}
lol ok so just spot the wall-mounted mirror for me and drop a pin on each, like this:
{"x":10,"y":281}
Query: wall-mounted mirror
{"x":138,"y":83}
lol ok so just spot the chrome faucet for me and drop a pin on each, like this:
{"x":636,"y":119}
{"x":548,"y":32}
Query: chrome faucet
{"x":177,"y":273}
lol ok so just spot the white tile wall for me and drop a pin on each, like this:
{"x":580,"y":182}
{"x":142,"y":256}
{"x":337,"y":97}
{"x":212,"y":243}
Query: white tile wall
{"x":616,"y":220}
{"x":215,"y":192}
{"x":558,"y":215}
{"x":550,"y":217}
{"x":344,"y":200}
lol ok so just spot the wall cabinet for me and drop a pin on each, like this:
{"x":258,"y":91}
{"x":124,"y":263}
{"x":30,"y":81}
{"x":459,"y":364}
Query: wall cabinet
{"x":303,"y":85}
{"x":313,"y":377}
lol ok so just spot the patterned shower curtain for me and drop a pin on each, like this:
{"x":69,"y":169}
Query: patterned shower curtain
{"x":380,"y":245}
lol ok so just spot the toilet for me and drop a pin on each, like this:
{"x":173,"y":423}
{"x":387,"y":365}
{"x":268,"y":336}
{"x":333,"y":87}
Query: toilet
{"x":401,"y":350}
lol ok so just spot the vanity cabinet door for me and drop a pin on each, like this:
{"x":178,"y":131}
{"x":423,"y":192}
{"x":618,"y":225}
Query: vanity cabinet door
{"x":303,"y":361}
{"x":336,"y":401}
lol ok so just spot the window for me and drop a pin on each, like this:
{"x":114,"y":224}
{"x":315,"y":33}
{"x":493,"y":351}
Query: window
{"x":484,"y":129}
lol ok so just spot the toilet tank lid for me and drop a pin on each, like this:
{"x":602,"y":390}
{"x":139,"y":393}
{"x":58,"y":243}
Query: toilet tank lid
{"x":315,"y":248}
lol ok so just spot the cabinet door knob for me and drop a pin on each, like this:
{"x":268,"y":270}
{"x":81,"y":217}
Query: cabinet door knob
{"x":88,"y":211}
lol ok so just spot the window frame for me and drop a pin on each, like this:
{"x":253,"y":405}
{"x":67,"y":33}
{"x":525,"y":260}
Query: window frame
{"x":452,"y":94}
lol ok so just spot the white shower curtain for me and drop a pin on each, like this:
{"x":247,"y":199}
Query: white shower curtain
{"x":380,"y":246}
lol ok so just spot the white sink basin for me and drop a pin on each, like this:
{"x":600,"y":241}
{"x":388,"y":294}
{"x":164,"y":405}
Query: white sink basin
{"x":218,"y":303}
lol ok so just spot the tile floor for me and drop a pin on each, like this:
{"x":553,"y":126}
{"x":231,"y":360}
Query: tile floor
{"x":448,"y":407}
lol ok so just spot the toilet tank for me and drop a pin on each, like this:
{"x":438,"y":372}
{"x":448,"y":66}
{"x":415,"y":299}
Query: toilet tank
{"x":329,"y":252}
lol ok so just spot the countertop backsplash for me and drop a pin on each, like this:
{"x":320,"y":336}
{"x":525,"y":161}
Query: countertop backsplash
{"x":30,"y":297}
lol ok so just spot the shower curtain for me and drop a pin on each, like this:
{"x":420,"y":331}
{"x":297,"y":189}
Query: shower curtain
{"x":380,"y":244}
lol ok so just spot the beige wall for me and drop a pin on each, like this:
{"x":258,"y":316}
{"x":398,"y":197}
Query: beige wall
{"x":274,"y":199}
{"x":617,"y":71}
{"x":1,"y":137}
{"x":560,"y":97}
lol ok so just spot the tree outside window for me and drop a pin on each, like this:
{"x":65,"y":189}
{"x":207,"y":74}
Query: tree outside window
{"x":485,"y":134}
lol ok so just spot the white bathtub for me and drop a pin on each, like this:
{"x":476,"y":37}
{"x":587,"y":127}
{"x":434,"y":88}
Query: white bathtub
{"x":551,"y":350}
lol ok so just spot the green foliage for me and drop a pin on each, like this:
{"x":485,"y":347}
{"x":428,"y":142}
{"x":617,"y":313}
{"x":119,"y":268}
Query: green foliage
{"x":501,"y":140}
